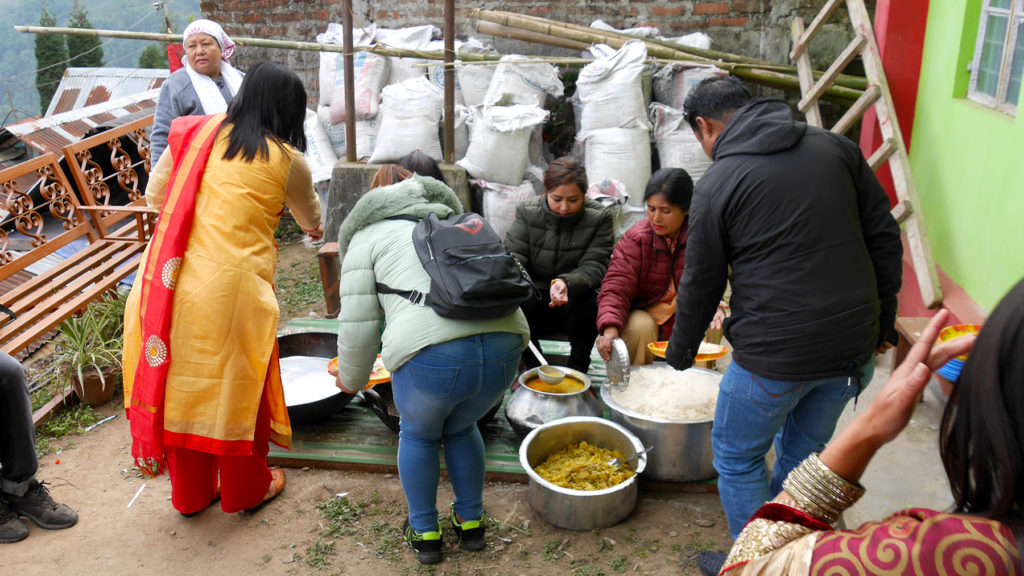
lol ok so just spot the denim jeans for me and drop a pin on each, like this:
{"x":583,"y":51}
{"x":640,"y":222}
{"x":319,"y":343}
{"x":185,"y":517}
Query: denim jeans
{"x":752,"y":412}
{"x":441,"y":393}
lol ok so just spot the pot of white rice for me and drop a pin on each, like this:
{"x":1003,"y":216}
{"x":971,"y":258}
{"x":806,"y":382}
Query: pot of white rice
{"x":672,"y":410}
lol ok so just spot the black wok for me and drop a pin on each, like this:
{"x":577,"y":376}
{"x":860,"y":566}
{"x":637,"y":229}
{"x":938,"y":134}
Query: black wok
{"x":320,"y":345}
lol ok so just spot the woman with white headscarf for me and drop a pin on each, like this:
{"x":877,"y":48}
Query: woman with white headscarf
{"x":204,"y":85}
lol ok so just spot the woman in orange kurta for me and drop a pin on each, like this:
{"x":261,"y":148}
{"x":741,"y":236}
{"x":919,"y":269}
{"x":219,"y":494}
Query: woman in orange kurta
{"x":202,"y":381}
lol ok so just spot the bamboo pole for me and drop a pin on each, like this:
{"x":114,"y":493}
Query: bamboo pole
{"x":350,"y":81}
{"x":502,"y":17}
{"x":258,"y":43}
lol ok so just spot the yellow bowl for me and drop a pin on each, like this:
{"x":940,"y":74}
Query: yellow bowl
{"x":956,"y":331}
{"x":658,"y":349}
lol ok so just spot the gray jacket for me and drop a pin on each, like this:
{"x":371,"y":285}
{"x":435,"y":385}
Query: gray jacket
{"x":177,"y":98}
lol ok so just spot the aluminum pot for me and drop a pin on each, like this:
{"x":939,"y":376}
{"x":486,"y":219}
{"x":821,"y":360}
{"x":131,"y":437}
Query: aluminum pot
{"x":319,"y":345}
{"x":529,"y":408}
{"x":580,"y":509}
{"x":682,"y":449}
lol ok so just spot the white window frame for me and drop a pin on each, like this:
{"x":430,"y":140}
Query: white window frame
{"x":1015,"y":17}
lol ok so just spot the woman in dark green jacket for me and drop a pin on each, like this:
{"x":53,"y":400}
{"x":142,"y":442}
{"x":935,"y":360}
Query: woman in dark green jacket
{"x":564,"y":240}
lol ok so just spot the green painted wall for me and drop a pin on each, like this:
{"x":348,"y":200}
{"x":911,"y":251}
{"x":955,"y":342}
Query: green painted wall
{"x":968,"y":163}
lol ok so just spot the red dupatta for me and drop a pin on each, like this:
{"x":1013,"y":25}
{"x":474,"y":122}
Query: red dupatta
{"x":191,"y":139}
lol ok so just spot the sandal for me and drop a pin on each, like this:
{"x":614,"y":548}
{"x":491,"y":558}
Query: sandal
{"x":273,"y":491}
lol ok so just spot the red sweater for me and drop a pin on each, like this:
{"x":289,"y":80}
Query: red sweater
{"x":638,"y":276}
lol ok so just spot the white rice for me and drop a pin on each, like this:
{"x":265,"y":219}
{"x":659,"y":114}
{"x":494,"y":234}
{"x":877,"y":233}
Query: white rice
{"x":305,"y":379}
{"x":669,"y":394}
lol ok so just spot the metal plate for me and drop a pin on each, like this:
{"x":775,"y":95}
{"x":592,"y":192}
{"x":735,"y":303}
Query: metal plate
{"x":618,"y":365}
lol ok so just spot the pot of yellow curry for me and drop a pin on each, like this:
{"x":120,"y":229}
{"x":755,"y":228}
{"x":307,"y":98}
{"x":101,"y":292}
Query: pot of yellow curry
{"x":571,"y":483}
{"x":535,"y":402}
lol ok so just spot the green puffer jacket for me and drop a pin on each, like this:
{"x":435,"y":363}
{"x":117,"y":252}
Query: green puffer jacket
{"x":575,"y":248}
{"x":374,"y":249}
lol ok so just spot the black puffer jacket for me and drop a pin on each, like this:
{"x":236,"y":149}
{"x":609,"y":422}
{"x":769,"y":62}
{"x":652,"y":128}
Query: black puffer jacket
{"x":575,"y":248}
{"x":815,"y":253}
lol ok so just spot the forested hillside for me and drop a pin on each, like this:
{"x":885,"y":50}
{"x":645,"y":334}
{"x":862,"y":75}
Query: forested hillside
{"x":17,"y":58}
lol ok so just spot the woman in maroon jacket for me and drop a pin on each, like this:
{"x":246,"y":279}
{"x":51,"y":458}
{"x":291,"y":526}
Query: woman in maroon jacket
{"x":638,"y":295}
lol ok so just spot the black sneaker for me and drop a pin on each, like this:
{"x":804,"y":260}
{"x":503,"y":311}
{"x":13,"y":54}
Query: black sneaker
{"x":38,"y":506}
{"x":426,"y":545}
{"x":12,"y":529}
{"x":470,"y":533}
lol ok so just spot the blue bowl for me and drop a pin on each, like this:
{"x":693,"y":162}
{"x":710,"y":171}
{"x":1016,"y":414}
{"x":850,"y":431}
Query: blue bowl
{"x":951,"y":370}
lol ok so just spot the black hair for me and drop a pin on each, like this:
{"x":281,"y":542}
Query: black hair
{"x":674,"y":183}
{"x":270,"y":104}
{"x":419,"y":163}
{"x":715,"y":98}
{"x":981,"y":439}
{"x":565,"y":170}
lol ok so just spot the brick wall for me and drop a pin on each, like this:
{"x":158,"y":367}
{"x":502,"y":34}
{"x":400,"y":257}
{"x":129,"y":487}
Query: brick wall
{"x":758,"y":28}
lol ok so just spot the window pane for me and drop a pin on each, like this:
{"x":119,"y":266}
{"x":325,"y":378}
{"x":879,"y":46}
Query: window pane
{"x":991,"y":55}
{"x":1013,"y":88}
{"x":1005,"y":4}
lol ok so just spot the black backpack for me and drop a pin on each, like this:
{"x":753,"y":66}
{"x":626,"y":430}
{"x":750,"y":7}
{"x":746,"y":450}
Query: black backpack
{"x":472,"y":274}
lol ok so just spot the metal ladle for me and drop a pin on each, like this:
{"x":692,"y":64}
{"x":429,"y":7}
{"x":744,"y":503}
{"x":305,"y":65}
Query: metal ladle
{"x":615,"y":462}
{"x":547,"y":373}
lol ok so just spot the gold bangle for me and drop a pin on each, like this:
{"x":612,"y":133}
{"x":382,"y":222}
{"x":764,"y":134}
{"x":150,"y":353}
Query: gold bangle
{"x":819,"y":491}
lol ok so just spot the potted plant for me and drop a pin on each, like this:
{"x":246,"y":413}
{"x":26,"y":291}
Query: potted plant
{"x":89,"y":351}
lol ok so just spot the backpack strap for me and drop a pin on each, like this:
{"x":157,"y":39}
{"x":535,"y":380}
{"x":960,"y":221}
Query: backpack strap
{"x":415,"y":296}
{"x":408,"y":217}
{"x":8,"y":311}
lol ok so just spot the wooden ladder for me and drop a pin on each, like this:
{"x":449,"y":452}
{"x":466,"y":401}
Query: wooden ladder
{"x":893,"y":150}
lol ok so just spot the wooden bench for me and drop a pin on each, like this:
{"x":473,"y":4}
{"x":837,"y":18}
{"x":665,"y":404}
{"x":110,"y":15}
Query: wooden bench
{"x":44,"y":296}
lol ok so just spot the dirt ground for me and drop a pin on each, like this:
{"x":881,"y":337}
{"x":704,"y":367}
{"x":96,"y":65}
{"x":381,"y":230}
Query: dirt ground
{"x":128,"y":526}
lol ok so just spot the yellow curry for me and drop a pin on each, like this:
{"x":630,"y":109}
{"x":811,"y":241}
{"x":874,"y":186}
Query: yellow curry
{"x":583,"y":466}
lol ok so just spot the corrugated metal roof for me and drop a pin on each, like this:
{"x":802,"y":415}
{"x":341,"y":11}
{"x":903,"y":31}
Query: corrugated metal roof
{"x":82,"y":87}
{"x":53,"y":133}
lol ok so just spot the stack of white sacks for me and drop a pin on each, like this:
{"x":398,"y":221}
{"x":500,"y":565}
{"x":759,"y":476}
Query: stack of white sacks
{"x":500,"y":114}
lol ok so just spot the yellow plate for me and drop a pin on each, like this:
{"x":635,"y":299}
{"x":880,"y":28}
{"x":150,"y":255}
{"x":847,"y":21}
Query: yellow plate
{"x":956,"y":331}
{"x":376,"y":377}
{"x":658,"y":349}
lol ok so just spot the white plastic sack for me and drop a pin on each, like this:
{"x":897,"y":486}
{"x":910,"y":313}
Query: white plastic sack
{"x":527,"y":84}
{"x":694,"y":40}
{"x":329,"y":66}
{"x":319,"y":153}
{"x":500,"y":201}
{"x":410,"y":38}
{"x":461,"y":131}
{"x":475,"y":79}
{"x":366,"y":134}
{"x":612,"y":195}
{"x":622,"y":154}
{"x":499,"y":140}
{"x":677,"y":145}
{"x":643,"y":31}
{"x":611,"y":89}
{"x":410,"y":114}
{"x":370,"y":72}
{"x":673,"y":82}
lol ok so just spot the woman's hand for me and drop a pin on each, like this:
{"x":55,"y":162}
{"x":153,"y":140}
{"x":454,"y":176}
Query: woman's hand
{"x":888,"y":414}
{"x":559,"y":294}
{"x":315,"y":234}
{"x":719,"y":319}
{"x":604,"y":342}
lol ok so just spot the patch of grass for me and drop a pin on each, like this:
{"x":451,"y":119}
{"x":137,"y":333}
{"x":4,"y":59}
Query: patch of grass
{"x":341,"y":514}
{"x":586,"y":569}
{"x":697,"y":545}
{"x":645,"y":546}
{"x":387,"y":541}
{"x":553,"y":551}
{"x":619,"y":564}
{"x":72,"y":420}
{"x":317,"y":554}
{"x":286,"y":229}
{"x":605,"y":544}
{"x":299,"y":284}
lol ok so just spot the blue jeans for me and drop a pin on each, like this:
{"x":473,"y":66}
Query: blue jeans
{"x":441,"y":393}
{"x":751,"y":412}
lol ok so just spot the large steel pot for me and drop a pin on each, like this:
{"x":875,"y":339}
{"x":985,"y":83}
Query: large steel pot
{"x":320,"y":345}
{"x":381,"y":400}
{"x":529,"y":408}
{"x":682,"y":449}
{"x":580,"y":509}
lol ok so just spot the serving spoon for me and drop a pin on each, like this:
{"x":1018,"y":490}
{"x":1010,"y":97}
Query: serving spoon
{"x":616,"y":463}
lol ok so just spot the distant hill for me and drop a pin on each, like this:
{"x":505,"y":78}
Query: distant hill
{"x":17,"y":57}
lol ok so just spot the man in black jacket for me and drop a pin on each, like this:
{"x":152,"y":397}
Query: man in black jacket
{"x":815,"y":256}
